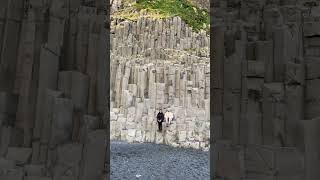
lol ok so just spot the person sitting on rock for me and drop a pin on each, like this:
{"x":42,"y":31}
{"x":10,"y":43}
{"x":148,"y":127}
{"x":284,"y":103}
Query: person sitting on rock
{"x":160,"y":118}
{"x":168,"y":116}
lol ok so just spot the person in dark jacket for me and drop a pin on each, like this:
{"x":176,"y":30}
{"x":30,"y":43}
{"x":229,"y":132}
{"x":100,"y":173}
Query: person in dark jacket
{"x":160,"y":118}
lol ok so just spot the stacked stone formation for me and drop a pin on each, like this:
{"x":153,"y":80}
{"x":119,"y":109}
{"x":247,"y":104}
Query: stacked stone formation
{"x":53,"y":90}
{"x":159,"y":64}
{"x":265,"y":96}
{"x":152,"y":37}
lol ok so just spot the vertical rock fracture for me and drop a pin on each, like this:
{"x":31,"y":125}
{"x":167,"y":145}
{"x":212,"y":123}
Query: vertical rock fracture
{"x":266,"y":57}
{"x":53,"y":89}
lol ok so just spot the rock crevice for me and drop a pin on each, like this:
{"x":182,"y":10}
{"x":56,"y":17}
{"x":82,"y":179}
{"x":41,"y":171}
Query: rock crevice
{"x":263,"y":112}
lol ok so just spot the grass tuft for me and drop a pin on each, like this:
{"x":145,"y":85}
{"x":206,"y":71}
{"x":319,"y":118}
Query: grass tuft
{"x":195,"y":17}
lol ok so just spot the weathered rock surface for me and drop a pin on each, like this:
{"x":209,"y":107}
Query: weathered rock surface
{"x":52,"y":90}
{"x":266,"y":116}
{"x":159,"y":64}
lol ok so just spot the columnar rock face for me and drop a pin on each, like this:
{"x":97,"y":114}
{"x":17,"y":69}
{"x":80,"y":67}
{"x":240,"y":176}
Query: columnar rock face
{"x":266,"y":112}
{"x":159,"y":64}
{"x":52,"y":89}
{"x":151,"y":38}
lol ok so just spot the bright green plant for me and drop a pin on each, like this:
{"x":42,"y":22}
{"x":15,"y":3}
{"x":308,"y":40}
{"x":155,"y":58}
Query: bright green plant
{"x":195,"y":17}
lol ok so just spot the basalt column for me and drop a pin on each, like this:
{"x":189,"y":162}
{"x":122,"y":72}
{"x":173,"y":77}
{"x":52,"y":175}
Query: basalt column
{"x":159,"y":64}
{"x":266,"y":117}
{"x":53,"y":93}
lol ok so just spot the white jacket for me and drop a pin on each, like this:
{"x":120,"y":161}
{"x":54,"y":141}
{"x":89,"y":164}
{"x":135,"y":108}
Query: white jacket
{"x":168,"y":115}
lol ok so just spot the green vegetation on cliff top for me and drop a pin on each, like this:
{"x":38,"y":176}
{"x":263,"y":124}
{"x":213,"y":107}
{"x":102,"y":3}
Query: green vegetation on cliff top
{"x":195,"y":17}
